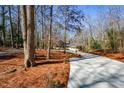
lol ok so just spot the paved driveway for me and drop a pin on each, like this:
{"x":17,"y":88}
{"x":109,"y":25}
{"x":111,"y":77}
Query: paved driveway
{"x":92,"y":71}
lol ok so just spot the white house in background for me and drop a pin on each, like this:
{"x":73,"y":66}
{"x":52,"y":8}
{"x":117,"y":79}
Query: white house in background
{"x":72,"y":47}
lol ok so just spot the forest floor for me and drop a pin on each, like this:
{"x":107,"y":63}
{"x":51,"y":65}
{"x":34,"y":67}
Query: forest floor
{"x":115,"y":56}
{"x":47,"y":73}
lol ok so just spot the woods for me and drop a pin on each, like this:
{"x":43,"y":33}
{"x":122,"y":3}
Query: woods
{"x":56,"y":46}
{"x":61,"y":27}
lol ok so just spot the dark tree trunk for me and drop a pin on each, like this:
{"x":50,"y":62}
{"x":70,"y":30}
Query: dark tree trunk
{"x":28,"y":26}
{"x":65,"y":34}
{"x":3,"y":26}
{"x":30,"y":34}
{"x":50,"y":32}
{"x":12,"y":36}
{"x":18,"y":28}
{"x":42,"y":13}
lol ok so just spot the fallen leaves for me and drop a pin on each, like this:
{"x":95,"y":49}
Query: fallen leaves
{"x":47,"y":73}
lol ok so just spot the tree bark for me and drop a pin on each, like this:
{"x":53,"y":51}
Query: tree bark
{"x":3,"y":26}
{"x":24,"y":32}
{"x":18,"y":27}
{"x":65,"y":33}
{"x":28,"y":26}
{"x":30,"y":34}
{"x":12,"y":36}
{"x":42,"y":13}
{"x":50,"y":32}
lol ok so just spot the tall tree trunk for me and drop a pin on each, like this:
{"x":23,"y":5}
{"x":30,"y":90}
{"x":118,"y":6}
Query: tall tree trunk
{"x":50,"y":31}
{"x":3,"y":26}
{"x":30,"y":34}
{"x":42,"y":13}
{"x":24,"y":32}
{"x":18,"y":27}
{"x":12,"y":36}
{"x":65,"y":33}
{"x":27,"y":26}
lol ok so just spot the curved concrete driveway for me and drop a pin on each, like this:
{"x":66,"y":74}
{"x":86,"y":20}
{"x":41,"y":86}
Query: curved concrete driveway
{"x":92,"y":71}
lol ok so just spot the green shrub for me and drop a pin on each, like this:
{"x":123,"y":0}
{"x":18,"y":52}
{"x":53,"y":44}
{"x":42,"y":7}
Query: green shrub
{"x":79,"y":47}
{"x":94,"y":44}
{"x":112,"y":39}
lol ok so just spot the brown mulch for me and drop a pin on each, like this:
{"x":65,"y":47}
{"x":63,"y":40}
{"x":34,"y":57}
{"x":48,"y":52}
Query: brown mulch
{"x":115,"y":56}
{"x":47,"y":73}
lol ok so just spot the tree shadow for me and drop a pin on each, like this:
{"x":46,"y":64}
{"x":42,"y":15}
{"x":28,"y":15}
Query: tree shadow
{"x":7,"y":56}
{"x":86,"y":78}
{"x":40,"y":58}
{"x":46,"y":62}
{"x":82,"y":58}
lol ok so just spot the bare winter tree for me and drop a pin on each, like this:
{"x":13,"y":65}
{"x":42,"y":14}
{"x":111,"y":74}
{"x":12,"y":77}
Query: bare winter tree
{"x":27,"y":25}
{"x":18,"y":26}
{"x":42,"y":13}
{"x":24,"y":31}
{"x":3,"y":24}
{"x":50,"y":32}
{"x":11,"y":23}
{"x":30,"y":33}
{"x":72,"y":18}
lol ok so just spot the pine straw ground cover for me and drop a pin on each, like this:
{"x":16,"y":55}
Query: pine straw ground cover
{"x":47,"y":73}
{"x":115,"y":56}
